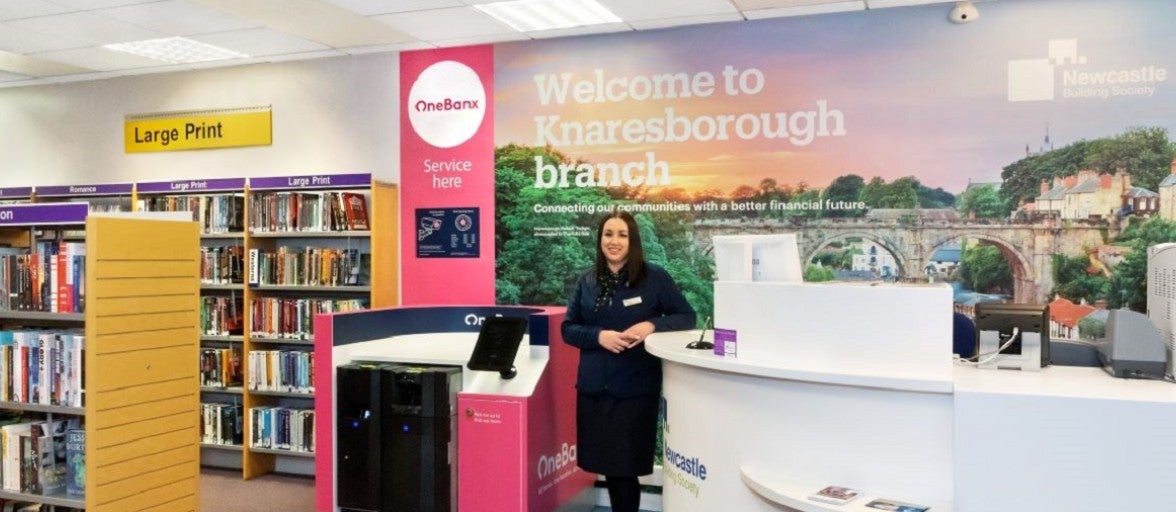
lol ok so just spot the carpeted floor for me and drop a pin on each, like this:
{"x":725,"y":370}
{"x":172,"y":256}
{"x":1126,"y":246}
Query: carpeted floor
{"x":223,"y":490}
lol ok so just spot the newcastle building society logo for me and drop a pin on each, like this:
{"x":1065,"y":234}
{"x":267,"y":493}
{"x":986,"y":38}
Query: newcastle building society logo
{"x":446,"y":104}
{"x":1035,"y":79}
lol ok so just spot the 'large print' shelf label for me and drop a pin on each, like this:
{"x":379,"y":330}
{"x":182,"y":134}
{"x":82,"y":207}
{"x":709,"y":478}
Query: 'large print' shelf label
{"x":115,"y":189}
{"x":191,"y":186}
{"x":198,"y":129}
{"x":16,"y":192}
{"x":43,"y":214}
{"x":362,"y":180}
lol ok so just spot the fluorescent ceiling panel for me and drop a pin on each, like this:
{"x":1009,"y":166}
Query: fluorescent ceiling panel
{"x":805,"y":10}
{"x":537,"y":15}
{"x":438,"y":24}
{"x":175,"y":50}
{"x":177,"y":18}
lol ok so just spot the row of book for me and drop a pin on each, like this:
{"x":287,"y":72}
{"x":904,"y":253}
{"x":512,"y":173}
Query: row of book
{"x":51,"y":278}
{"x":277,"y":212}
{"x":309,"y":266}
{"x":221,"y":367}
{"x":42,"y":367}
{"x":288,"y":371}
{"x":221,"y":424}
{"x":222,"y":315}
{"x":43,"y":457}
{"x":290,"y":318}
{"x":282,"y":428}
{"x":222,"y":265}
{"x":222,"y":213}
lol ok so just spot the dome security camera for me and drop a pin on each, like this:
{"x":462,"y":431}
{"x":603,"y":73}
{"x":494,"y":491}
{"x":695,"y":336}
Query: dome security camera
{"x":963,"y":12}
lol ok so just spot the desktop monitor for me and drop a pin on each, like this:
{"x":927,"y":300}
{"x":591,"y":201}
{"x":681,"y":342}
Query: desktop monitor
{"x":774,"y":257}
{"x":1003,"y":318}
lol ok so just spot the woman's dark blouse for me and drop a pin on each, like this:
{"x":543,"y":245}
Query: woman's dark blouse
{"x":634,"y":371}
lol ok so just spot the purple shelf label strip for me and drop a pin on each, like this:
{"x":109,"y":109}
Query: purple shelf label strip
{"x":113,"y":189}
{"x":16,"y":192}
{"x":192,"y":186}
{"x":312,"y":181}
{"x":43,"y":214}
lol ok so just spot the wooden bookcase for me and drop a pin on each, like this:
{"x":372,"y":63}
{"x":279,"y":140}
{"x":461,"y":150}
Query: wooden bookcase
{"x":381,"y":290}
{"x":141,"y":313}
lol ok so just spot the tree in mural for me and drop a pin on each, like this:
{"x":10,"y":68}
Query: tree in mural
{"x":847,"y":189}
{"x":935,"y":197}
{"x":1075,"y":280}
{"x":901,"y":193}
{"x":1128,"y":286}
{"x":533,"y":268}
{"x":1144,"y":153}
{"x":984,"y":269}
{"x":983,"y":203}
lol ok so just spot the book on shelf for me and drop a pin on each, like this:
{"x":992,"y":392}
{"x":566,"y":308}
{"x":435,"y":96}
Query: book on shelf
{"x":896,"y":506}
{"x":355,"y":211}
{"x":75,"y":466}
{"x":835,"y":494}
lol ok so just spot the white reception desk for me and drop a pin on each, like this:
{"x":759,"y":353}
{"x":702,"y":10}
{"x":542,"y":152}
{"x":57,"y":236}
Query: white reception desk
{"x":768,"y":435}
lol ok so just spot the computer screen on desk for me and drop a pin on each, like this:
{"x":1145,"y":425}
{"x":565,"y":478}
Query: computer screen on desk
{"x":1007,"y":319}
{"x":774,"y":257}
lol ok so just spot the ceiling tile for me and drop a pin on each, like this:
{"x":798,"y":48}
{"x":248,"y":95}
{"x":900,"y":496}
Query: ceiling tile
{"x":100,"y":59}
{"x":806,"y":10}
{"x":19,"y":40}
{"x":881,"y":4}
{"x":630,"y":11}
{"x":437,"y":24}
{"x":35,"y":66}
{"x":315,"y":20}
{"x":80,"y":29}
{"x":17,"y":9}
{"x":748,"y":5}
{"x":469,"y":41}
{"x":606,"y":28}
{"x":177,"y":18}
{"x":373,"y":7}
{"x":85,"y":5}
{"x":13,"y":77}
{"x":260,"y":42}
{"x":685,"y":20}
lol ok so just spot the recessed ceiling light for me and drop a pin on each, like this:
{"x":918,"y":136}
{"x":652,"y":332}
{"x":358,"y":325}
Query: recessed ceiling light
{"x":176,"y":50}
{"x":536,"y":15}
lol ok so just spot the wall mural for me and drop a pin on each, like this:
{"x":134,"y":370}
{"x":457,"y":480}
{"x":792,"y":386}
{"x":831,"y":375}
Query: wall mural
{"x":1024,"y":157}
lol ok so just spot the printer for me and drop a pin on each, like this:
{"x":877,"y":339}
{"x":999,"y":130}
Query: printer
{"x":1133,"y":347}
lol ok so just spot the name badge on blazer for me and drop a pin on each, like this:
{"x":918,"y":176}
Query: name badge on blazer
{"x":632,"y":301}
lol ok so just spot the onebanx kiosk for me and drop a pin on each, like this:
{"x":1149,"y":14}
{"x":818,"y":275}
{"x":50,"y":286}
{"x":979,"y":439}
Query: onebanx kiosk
{"x":409,"y":397}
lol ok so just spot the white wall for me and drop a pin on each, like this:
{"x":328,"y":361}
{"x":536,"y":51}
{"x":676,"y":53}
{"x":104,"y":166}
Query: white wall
{"x":329,"y":115}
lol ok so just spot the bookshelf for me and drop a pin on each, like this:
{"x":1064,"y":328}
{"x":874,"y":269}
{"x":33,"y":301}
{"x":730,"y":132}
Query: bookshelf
{"x":276,"y":301}
{"x":15,"y":195}
{"x":218,"y":206}
{"x":141,"y":310}
{"x":104,"y":197}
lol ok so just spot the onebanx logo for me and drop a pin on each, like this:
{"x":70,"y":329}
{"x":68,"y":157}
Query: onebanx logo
{"x":550,"y":464}
{"x":1035,"y":79}
{"x":446,"y":104}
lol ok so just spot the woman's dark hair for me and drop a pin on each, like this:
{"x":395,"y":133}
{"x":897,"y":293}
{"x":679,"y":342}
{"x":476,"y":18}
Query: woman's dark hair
{"x":636,"y":262}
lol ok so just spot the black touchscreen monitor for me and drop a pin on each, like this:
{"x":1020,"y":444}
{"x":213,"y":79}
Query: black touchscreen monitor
{"x":498,"y":343}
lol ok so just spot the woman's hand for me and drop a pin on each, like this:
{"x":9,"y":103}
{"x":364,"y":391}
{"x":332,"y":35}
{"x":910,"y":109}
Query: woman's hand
{"x":637,"y":332}
{"x":617,"y":342}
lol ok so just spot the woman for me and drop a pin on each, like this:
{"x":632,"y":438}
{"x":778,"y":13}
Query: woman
{"x":614,"y":306}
